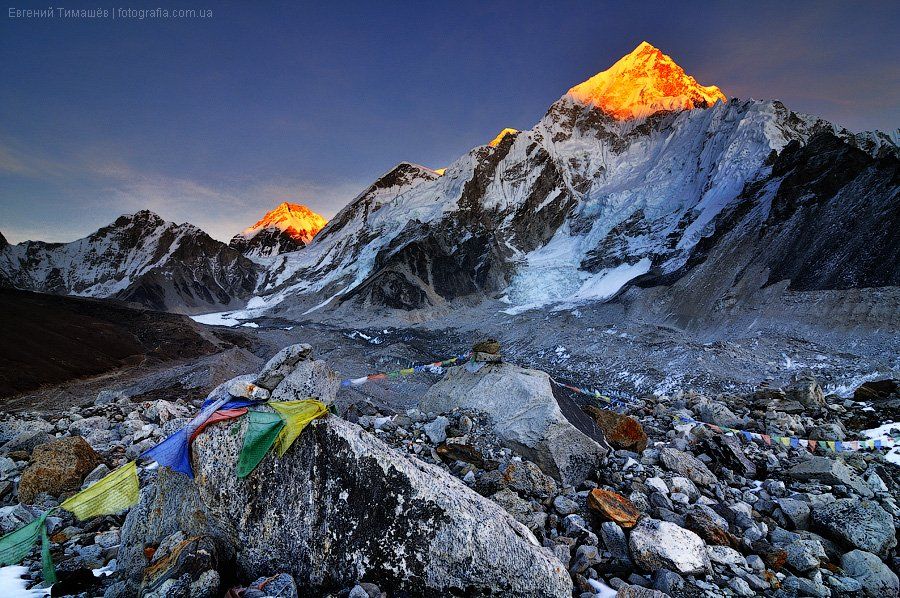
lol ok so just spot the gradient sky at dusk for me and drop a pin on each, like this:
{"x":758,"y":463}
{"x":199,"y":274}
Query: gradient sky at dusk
{"x":215,"y":121}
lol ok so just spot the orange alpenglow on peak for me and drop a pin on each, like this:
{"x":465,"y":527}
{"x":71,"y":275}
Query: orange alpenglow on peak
{"x":440,"y":171}
{"x":296,"y":220}
{"x":496,"y":140}
{"x":642,"y":83}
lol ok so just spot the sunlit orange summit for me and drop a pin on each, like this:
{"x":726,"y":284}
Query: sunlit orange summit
{"x":298,"y":221}
{"x":642,"y":83}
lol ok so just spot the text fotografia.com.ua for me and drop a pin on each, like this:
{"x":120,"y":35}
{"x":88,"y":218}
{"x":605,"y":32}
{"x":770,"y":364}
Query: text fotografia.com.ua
{"x":110,"y":13}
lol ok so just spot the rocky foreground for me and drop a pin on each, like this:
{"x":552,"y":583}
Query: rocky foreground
{"x":497,"y":484}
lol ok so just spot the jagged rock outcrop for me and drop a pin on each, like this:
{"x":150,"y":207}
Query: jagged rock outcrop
{"x":525,"y":415}
{"x":140,"y":258}
{"x":339,"y":507}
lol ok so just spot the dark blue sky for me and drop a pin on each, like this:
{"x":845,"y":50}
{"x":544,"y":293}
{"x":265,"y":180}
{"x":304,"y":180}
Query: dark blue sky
{"x":214,"y":121}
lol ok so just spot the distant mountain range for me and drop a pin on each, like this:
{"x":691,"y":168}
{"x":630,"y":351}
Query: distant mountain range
{"x":638,"y":178}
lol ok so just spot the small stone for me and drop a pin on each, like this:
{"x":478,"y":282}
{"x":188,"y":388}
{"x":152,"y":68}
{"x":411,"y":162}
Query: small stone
{"x":741,"y":587}
{"x":796,"y":511}
{"x":687,"y":465}
{"x":724,"y":555}
{"x":621,"y":431}
{"x":655,"y":544}
{"x":614,"y":507}
{"x":614,"y":539}
{"x":437,"y":430}
{"x":564,"y":506}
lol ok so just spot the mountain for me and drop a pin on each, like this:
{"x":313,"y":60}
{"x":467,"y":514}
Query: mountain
{"x":620,"y":181}
{"x":139,"y":258}
{"x":286,"y":228}
{"x":643,"y":83}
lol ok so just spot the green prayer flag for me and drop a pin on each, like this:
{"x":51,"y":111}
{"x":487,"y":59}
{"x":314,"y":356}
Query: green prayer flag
{"x":296,"y":416}
{"x":112,"y":494}
{"x":16,"y":545}
{"x":46,"y":559}
{"x":262,"y":431}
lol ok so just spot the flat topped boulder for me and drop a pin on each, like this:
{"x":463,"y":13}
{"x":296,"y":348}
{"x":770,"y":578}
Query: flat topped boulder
{"x":340,"y":507}
{"x":831,"y":472}
{"x":525,"y":416}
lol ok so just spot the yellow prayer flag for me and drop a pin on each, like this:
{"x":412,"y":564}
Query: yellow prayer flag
{"x":114,"y":493}
{"x":296,"y":416}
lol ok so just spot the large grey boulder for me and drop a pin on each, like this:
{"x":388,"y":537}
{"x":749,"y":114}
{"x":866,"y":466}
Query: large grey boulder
{"x":876,"y":578}
{"x":524,"y":414}
{"x":664,"y":545}
{"x":858,"y":523}
{"x":339,"y":507}
{"x":687,"y":465}
{"x":831,"y":472}
{"x":293,"y":374}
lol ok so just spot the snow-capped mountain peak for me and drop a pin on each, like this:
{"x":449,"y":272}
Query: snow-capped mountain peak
{"x":642,"y":83}
{"x":296,"y":220}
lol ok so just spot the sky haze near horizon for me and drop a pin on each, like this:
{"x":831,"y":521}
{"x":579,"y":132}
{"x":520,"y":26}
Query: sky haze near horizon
{"x":215,"y":121}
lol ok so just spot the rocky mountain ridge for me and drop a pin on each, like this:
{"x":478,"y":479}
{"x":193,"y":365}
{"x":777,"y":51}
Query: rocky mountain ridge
{"x":139,"y":258}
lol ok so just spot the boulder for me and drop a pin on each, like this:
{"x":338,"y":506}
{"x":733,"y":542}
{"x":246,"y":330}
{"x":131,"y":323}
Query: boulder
{"x":525,"y":416}
{"x":687,"y":465}
{"x":282,"y":364}
{"x":308,"y":378}
{"x":663,"y":545}
{"x":808,"y":393}
{"x":876,"y":578}
{"x":829,"y":471}
{"x":728,"y":452}
{"x":26,"y":441}
{"x":858,"y":523}
{"x":613,"y":506}
{"x":621,"y":431}
{"x":339,"y":507}
{"x":57,"y":467}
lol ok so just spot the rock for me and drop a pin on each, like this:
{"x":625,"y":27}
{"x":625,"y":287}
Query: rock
{"x":524,"y":414}
{"x":95,"y":475}
{"x":659,"y":544}
{"x":710,"y":526}
{"x":796,"y":511}
{"x":490,"y":346}
{"x":805,"y":555}
{"x":861,"y":524}
{"x":614,"y":507}
{"x":829,"y":471}
{"x":614,"y":539}
{"x":83,"y":427}
{"x":585,"y":556}
{"x":875,"y":390}
{"x":340,"y":504}
{"x":876,"y":578}
{"x":635,"y":591}
{"x":457,"y":450}
{"x":621,"y":431}
{"x":667,"y":582}
{"x":282,"y":586}
{"x":527,"y":478}
{"x":717,"y":413}
{"x":309,"y":378}
{"x":246,"y":389}
{"x":180,"y":561}
{"x":106,"y":397}
{"x":518,"y":507}
{"x":437,"y":430}
{"x":564,"y":506}
{"x":282,"y":364}
{"x":828,"y":432}
{"x":26,"y":441}
{"x":57,"y":467}
{"x":688,"y":466}
{"x":724,"y":555}
{"x":727,"y":451}
{"x":163,"y":411}
{"x":808,"y":393}
{"x":740,"y":587}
